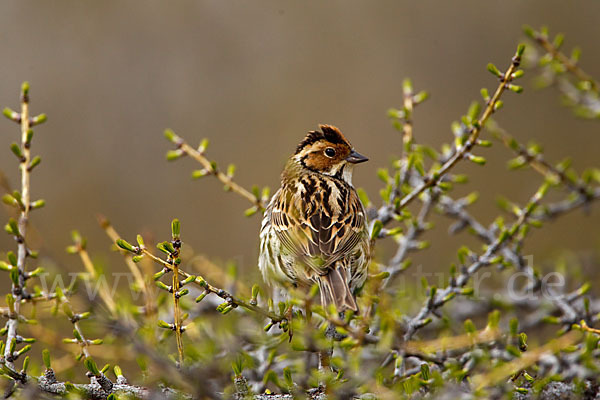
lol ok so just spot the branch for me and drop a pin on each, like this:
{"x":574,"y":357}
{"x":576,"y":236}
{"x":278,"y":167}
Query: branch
{"x":542,"y":39}
{"x":210,"y":168}
{"x":439,"y":298}
{"x":201,"y":282}
{"x":463,"y":150}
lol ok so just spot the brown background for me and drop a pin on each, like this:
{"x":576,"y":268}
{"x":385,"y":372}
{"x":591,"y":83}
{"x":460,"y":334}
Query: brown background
{"x":254,"y":77}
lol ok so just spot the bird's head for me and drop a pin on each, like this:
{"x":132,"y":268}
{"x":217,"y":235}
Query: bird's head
{"x":328,"y":152}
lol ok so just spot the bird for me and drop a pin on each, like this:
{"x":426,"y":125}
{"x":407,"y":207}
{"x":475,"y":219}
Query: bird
{"x":314,"y":228}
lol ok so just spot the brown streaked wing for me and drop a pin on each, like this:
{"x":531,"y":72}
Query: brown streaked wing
{"x":317,"y":238}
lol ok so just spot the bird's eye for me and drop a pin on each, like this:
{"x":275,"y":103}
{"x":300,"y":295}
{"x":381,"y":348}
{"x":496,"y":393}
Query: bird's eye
{"x":329,"y":152}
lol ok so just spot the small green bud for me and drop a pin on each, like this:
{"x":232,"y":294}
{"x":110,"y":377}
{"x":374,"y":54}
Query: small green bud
{"x":474,"y":110}
{"x":171,"y":136}
{"x":255,"y":290}
{"x":38,"y":204}
{"x":515,"y":88}
{"x":34,"y":162}
{"x":164,"y":325}
{"x":494,"y":319}
{"x":523,"y":341}
{"x":175,"y":228}
{"x":494,"y":70}
{"x":25,"y":89}
{"x":485,"y":94}
{"x":91,"y":366}
{"x":166,"y":247}
{"x":17,"y":151}
{"x":203,"y":146}
{"x":425,"y":371}
{"x":12,"y":115}
{"x":29,"y":137}
{"x":250,"y":211}
{"x":172,"y":155}
{"x":201,"y":297}
{"x":23,"y":350}
{"x":199,"y":173}
{"x":477,"y":159}
{"x":517,"y":74}
{"x":36,"y":272}
{"x":201,"y":282}
{"x":160,"y":274}
{"x":14,"y":276}
{"x":4,"y":266}
{"x":420,"y":97}
{"x":25,"y":364}
{"x":529,"y":31}
{"x":230,"y":170}
{"x":163,"y":286}
{"x":12,"y":258}
{"x":376,"y":230}
{"x":10,"y":301}
{"x":188,"y":280}
{"x":125,"y":245}
{"x":39,"y":119}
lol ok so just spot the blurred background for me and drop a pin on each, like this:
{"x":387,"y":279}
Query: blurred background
{"x":254,"y":78}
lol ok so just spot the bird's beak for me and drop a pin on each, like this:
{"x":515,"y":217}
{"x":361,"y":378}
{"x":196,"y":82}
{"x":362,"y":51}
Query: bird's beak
{"x":356,"y":157}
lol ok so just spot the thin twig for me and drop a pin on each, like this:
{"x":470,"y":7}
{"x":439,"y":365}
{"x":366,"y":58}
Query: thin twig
{"x":210,"y":168}
{"x":133,"y":267}
{"x":461,"y":152}
{"x":556,"y":54}
{"x":215,"y":290}
{"x":17,"y":288}
{"x":441,"y":297}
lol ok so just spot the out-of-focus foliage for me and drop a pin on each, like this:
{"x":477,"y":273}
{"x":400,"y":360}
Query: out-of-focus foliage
{"x":190,"y":328}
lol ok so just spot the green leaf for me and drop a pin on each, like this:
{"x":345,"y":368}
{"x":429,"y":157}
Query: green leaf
{"x":425,"y":371}
{"x":376,"y":230}
{"x":203,"y":146}
{"x":38,"y":204}
{"x":4,"y":266}
{"x":34,"y":162}
{"x":199,"y":173}
{"x":91,"y":366}
{"x":38,"y":119}
{"x":477,"y":159}
{"x":231,"y":170}
{"x":171,"y":136}
{"x":201,"y":297}
{"x":12,"y":115}
{"x":46,"y":358}
{"x":494,"y":70}
{"x":17,"y":151}
{"x":25,"y":90}
{"x":515,"y":88}
{"x":125,"y":245}
{"x":175,"y":228}
{"x":250,"y":211}
{"x":164,"y":325}
{"x":12,"y":258}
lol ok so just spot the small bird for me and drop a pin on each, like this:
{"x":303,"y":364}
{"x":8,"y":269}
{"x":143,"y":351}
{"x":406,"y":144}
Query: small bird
{"x":314,"y":229}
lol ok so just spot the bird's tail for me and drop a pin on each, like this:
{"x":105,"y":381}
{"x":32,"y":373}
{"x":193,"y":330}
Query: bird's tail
{"x":334,"y":290}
